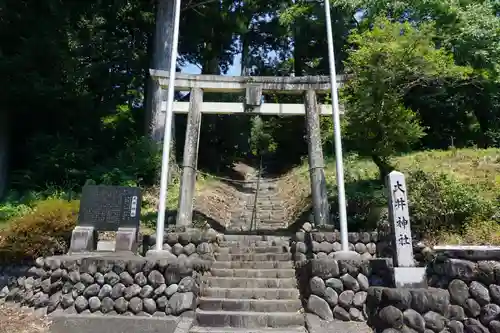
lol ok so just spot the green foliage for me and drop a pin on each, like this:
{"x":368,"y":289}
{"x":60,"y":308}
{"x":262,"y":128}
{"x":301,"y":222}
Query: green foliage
{"x":439,"y":202}
{"x":384,"y":64}
{"x":43,"y":232}
{"x":261,"y":139}
{"x":137,"y":164}
{"x":443,"y":205}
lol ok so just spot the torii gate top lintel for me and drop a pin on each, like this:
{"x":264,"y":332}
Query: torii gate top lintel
{"x":220,"y":83}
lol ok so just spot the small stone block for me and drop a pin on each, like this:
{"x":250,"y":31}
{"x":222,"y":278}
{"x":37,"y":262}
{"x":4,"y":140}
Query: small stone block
{"x":346,"y":255}
{"x":253,"y":95}
{"x":156,"y":253}
{"x":410,"y":277}
{"x":83,"y":239}
{"x":126,"y":239}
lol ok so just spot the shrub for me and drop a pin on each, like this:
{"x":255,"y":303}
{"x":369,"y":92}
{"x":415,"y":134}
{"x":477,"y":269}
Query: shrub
{"x":45,"y":231}
{"x":441,"y":203}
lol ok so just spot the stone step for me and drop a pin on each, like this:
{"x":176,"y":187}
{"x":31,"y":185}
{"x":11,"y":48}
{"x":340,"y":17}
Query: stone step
{"x":255,"y":238}
{"x":254,"y":249}
{"x":232,"y":282}
{"x":253,"y":257}
{"x":249,"y":293}
{"x":291,"y":329}
{"x":254,"y":273}
{"x":248,"y":319}
{"x":256,"y":305}
{"x":265,"y":243}
{"x":253,"y":264}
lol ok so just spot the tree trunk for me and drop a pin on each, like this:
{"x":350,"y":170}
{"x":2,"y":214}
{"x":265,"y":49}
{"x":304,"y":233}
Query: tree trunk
{"x":4,"y":150}
{"x":384,"y":167}
{"x":155,"y":95}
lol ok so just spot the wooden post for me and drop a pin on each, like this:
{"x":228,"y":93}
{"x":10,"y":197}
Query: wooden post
{"x":316,"y":162}
{"x":190,"y":159}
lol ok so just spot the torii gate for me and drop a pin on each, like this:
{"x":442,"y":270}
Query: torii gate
{"x":165,"y":28}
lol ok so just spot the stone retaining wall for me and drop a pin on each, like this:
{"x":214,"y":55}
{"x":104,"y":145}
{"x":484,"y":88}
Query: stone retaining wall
{"x":338,"y":289}
{"x":315,"y":244}
{"x":468,"y":299}
{"x":190,"y":243}
{"x":113,"y":284}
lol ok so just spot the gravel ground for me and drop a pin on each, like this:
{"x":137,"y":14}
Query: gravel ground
{"x":16,"y":320}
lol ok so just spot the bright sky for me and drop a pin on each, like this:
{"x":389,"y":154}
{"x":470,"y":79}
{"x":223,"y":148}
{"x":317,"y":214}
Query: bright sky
{"x":234,"y":70}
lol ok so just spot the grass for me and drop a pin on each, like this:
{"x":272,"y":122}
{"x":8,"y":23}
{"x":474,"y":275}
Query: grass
{"x":477,"y":168}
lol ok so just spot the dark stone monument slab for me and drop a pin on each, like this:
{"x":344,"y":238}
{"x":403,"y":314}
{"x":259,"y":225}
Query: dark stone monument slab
{"x":108,"y":208}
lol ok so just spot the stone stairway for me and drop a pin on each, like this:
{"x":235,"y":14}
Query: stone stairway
{"x":252,"y":288}
{"x":269,"y":208}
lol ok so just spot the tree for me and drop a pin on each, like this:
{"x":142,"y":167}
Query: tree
{"x":385,"y":63}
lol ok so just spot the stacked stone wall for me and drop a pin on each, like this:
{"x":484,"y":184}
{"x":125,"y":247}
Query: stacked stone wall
{"x":323,"y":244}
{"x":338,"y":289}
{"x":114,"y":284}
{"x":464,"y":296}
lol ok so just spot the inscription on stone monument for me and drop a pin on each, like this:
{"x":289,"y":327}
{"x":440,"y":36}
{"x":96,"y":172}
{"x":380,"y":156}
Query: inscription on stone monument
{"x":107,"y":208}
{"x":400,"y":219}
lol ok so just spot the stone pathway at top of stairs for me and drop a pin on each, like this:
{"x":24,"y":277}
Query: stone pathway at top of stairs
{"x":251,"y":289}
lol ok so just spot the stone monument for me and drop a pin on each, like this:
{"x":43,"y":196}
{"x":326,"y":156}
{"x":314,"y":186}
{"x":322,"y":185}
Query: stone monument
{"x":405,"y":272}
{"x":107,"y":208}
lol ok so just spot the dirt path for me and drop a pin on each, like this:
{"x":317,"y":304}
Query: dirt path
{"x":21,"y":321}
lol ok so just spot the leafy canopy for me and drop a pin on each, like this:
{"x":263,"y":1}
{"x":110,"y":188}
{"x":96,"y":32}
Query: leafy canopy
{"x":385,"y":63}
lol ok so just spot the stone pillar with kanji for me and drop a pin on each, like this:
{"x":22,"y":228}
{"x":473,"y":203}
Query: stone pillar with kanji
{"x":400,"y":219}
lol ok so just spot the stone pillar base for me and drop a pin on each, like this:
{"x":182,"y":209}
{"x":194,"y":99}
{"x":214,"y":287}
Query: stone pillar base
{"x":126,"y":239}
{"x":83,"y":239}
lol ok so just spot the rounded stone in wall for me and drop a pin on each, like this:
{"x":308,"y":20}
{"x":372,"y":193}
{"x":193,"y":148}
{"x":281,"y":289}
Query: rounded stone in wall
{"x":356,"y":315}
{"x":489,"y":312}
{"x":335,"y":284}
{"x":337,"y":247}
{"x":459,"y":291}
{"x":494,"y":326}
{"x":434,"y":321}
{"x":318,"y":237}
{"x":414,"y":320}
{"x":321,"y":255}
{"x":341,"y":313}
{"x":94,"y":304}
{"x":350,"y":282}
{"x":317,"y":286}
{"x":107,"y":305}
{"x":300,"y":247}
{"x":456,"y":312}
{"x":330,"y":237}
{"x":81,"y":304}
{"x":391,"y":317}
{"x":360,"y":248}
{"x":326,"y":247}
{"x":353,"y":237}
{"x":346,"y":298}
{"x":300,"y":236}
{"x":121,"y":305}
{"x":455,"y":326}
{"x":331,"y":297}
{"x":472,"y":308}
{"x":172,"y":238}
{"x":479,"y":292}
{"x":364,"y":237}
{"x":189,"y":249}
